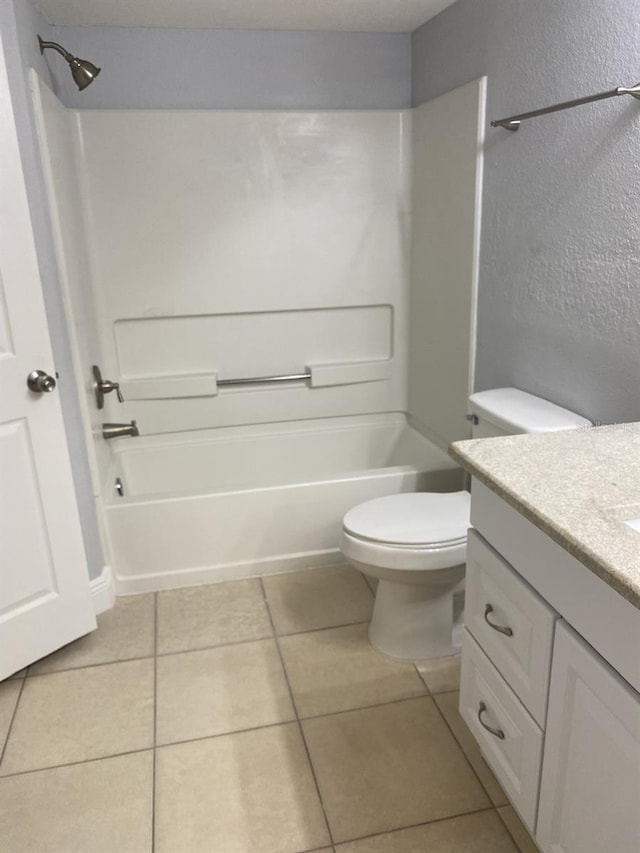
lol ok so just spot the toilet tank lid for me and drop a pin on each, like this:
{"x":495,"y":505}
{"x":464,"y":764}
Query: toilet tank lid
{"x":516,"y":411}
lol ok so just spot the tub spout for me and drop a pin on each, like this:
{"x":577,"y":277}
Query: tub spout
{"x":118,"y":430}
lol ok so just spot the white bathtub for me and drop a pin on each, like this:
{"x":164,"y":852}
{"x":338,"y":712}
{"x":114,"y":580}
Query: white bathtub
{"x":231,"y":503}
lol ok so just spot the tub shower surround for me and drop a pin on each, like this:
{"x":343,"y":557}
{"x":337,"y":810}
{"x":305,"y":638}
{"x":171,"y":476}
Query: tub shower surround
{"x":223,"y":246}
{"x":229,"y":503}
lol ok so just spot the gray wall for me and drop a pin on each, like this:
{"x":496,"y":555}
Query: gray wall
{"x":19,"y":25}
{"x":559,"y":304}
{"x":238,"y":69}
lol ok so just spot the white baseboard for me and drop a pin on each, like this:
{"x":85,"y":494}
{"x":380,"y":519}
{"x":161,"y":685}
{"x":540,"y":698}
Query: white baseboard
{"x":103,"y":591}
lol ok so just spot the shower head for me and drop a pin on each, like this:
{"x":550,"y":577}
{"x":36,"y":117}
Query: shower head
{"x":82,"y":71}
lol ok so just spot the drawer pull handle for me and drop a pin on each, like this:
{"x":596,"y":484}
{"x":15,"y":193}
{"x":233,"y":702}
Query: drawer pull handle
{"x":506,"y":631}
{"x":496,"y":732}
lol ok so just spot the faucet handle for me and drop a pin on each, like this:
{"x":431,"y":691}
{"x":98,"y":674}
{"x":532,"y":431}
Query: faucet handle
{"x":104,"y":386}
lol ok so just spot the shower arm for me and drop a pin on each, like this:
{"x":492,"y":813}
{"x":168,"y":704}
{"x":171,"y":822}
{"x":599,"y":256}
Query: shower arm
{"x":44,"y":45}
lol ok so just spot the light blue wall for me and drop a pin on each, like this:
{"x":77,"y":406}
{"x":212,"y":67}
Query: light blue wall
{"x":559,"y":303}
{"x":238,"y":69}
{"x":19,"y":25}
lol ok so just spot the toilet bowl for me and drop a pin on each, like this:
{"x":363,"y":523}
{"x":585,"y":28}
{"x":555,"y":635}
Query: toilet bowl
{"x":415,"y":545}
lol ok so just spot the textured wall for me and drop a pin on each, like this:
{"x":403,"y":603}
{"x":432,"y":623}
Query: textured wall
{"x":559,"y":303}
{"x":20,"y":26}
{"x":238,"y":69}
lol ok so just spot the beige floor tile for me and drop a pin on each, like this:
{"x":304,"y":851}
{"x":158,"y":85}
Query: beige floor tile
{"x":448,"y":704}
{"x":441,"y":675}
{"x":318,"y":598}
{"x":338,"y":669}
{"x":97,"y":807}
{"x":9,"y":692}
{"x":389,"y":767}
{"x":476,"y":833}
{"x":250,"y":792}
{"x":81,"y":714}
{"x":220,"y":690}
{"x":518,"y":830}
{"x":202,"y":616}
{"x":124,"y":632}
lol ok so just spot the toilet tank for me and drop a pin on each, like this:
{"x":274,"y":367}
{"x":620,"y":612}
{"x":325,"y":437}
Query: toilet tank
{"x":507,"y":411}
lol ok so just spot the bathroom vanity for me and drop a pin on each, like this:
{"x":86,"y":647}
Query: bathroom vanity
{"x":550,"y":684}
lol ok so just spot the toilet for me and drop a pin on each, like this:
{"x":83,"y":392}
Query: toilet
{"x":415,"y":543}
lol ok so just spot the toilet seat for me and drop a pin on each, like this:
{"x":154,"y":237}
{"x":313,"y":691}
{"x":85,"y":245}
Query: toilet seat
{"x":416,"y":531}
{"x":422,"y":520}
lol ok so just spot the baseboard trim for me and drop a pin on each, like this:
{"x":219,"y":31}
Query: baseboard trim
{"x":103,"y":591}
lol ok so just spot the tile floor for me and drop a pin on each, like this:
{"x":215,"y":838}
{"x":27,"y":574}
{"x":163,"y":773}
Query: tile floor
{"x":245,"y":717}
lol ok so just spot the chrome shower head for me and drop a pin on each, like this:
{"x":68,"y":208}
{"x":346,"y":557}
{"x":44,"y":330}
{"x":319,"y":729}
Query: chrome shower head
{"x":82,"y":71}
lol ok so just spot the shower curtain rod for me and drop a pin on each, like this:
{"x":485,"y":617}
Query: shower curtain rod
{"x":513,"y":122}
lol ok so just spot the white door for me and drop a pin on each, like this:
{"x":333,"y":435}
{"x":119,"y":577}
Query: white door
{"x":590,"y":790}
{"x":44,"y":587}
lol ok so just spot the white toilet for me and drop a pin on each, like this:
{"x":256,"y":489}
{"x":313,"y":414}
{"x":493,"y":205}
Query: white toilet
{"x":415,"y":543}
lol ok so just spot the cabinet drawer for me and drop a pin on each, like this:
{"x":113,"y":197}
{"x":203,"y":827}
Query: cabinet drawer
{"x":514,"y":749}
{"x":511,"y":622}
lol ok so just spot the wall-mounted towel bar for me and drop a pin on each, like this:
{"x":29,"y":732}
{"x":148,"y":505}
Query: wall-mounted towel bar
{"x":262,"y":380}
{"x":180,"y":386}
{"x":513,"y":122}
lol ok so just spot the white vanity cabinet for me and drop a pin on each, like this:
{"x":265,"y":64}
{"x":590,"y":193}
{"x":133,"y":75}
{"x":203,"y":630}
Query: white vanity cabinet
{"x":550,"y":684}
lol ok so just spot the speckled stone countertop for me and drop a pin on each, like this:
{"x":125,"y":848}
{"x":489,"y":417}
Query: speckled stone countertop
{"x":578,"y":486}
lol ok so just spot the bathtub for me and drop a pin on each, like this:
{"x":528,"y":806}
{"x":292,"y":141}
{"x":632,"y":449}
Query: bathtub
{"x":232,"y":503}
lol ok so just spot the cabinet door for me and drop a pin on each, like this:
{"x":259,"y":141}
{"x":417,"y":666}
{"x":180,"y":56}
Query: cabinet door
{"x":590,"y":791}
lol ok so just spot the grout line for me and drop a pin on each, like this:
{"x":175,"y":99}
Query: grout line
{"x":75,"y":763}
{"x":300,"y":729}
{"x":419,"y":674}
{"x":462,"y":750}
{"x":89,"y":666}
{"x":325,"y":628}
{"x":396,"y":701}
{"x":15,"y":677}
{"x":155,"y":720}
{"x":23,"y":681}
{"x":183,"y":651}
{"x":288,"y":722}
{"x":227,"y":734}
{"x":415,"y":825}
{"x":293,"y":719}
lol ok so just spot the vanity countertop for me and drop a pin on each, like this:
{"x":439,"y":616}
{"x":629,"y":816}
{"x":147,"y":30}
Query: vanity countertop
{"x":578,"y":486}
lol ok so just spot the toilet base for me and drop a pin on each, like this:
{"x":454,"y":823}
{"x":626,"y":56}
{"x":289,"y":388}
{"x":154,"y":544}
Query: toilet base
{"x":413,"y":621}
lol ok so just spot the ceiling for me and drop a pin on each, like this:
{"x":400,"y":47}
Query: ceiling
{"x":350,"y":15}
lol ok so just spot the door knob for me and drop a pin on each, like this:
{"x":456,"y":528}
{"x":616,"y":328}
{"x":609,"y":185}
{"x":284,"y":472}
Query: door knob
{"x":40,"y":382}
